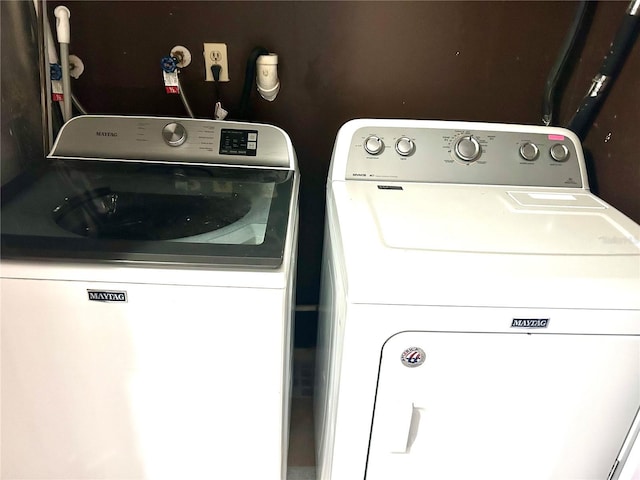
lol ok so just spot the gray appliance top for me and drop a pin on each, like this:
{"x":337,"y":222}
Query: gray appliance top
{"x":174,"y":140}
{"x":433,"y":151}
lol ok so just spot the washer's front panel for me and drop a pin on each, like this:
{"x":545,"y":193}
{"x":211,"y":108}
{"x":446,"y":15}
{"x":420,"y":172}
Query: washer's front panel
{"x":131,"y":381}
{"x":503,"y":406}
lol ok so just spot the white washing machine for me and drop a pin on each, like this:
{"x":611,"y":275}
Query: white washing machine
{"x":147,"y":277}
{"x":480,"y":308}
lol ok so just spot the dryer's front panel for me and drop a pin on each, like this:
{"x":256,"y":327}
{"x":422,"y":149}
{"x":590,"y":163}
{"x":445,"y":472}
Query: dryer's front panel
{"x":503,"y":406}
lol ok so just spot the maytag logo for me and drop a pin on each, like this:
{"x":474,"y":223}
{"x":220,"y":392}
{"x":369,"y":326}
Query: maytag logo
{"x":107,"y":296}
{"x":107,"y":134}
{"x":530,"y":323}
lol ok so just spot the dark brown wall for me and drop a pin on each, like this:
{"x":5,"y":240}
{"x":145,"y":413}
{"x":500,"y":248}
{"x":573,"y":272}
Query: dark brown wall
{"x":484,"y":61}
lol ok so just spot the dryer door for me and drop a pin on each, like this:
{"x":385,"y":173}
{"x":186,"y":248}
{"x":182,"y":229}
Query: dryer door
{"x":503,"y":406}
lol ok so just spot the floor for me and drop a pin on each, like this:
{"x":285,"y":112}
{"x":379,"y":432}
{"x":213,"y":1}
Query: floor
{"x":301,"y":440}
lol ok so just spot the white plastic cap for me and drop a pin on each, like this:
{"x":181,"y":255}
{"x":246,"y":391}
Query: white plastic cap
{"x":62,"y":14}
{"x":267,"y":76}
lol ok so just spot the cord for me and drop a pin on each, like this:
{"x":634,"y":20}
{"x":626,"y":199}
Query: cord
{"x":219,"y":113}
{"x":215,"y":71}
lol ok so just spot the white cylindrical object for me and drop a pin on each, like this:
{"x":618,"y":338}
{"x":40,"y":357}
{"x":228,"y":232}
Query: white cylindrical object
{"x":51,"y":46}
{"x":62,"y":14}
{"x":267,"y":76}
{"x":64,"y":35}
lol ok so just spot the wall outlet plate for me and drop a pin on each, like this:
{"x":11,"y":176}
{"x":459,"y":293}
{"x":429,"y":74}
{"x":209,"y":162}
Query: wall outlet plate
{"x":216,"y":53}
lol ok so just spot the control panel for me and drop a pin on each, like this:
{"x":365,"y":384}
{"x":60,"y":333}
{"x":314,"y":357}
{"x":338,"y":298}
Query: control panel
{"x":477,"y":155}
{"x":173,"y":140}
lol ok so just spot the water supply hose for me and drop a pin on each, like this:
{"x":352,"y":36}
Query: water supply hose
{"x":558,"y":67}
{"x":611,"y":65}
{"x":183,"y":97}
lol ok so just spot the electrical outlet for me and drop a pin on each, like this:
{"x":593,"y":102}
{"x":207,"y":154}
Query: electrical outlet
{"x":216,"y":53}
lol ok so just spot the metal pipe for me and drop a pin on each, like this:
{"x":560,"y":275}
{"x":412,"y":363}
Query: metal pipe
{"x":62,"y":28}
{"x":66,"y":81}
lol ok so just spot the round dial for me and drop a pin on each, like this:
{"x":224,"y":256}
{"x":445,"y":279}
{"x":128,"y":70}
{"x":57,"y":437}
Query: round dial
{"x":405,"y":146}
{"x":529,"y":151}
{"x":174,"y":134}
{"x":467,"y":148}
{"x":559,"y":152}
{"x":373,"y":145}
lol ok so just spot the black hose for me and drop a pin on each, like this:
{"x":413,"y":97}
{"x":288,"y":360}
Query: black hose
{"x":249,"y":78}
{"x":558,"y":67}
{"x":611,"y":65}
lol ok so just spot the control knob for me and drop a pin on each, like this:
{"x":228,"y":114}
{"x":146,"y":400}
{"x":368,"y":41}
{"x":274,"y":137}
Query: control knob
{"x":405,"y":146}
{"x":529,"y":151}
{"x":559,"y":152}
{"x":373,"y":145}
{"x":174,"y":134}
{"x":467,"y":148}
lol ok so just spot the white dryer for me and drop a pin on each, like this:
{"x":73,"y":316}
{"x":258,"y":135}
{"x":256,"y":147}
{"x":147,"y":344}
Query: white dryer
{"x":480,"y":308}
{"x":147,"y":280}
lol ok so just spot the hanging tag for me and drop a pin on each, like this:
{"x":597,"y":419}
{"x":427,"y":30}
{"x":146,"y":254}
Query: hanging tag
{"x":219,"y":112}
{"x":56,"y":92}
{"x":171,"y":82}
{"x":55,"y":72}
{"x":170,"y":74}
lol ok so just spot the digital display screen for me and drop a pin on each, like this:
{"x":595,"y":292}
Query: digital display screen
{"x":238,"y":142}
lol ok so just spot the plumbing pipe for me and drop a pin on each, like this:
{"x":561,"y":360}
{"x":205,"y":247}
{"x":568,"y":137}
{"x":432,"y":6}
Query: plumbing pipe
{"x":249,"y":76}
{"x":51,"y":52}
{"x":267,"y":76}
{"x":63,"y":30}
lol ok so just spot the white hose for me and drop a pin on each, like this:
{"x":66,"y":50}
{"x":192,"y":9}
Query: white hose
{"x":63,"y":30}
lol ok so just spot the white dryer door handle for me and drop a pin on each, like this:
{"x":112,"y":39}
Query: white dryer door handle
{"x":399,"y":426}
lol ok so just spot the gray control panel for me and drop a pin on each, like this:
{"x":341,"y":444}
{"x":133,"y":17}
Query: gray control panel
{"x":172,"y":140}
{"x":465,"y":156}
